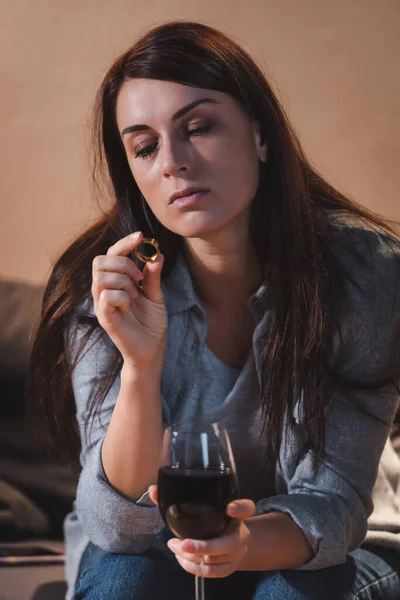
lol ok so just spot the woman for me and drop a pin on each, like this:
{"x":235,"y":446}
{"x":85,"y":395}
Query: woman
{"x":273,"y":308}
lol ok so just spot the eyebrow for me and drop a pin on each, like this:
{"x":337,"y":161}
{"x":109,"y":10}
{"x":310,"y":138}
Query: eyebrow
{"x":178,"y":115}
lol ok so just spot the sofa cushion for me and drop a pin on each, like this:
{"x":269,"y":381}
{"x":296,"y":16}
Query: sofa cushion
{"x":42,"y":481}
{"x":20,"y":305}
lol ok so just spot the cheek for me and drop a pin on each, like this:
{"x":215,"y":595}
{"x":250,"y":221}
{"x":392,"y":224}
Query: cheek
{"x":147,"y":184}
{"x":156,"y":198}
{"x":239,"y":174}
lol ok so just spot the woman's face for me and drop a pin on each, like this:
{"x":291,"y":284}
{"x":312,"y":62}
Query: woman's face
{"x":176,"y":137}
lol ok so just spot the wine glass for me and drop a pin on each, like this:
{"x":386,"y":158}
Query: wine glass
{"x":196,"y":481}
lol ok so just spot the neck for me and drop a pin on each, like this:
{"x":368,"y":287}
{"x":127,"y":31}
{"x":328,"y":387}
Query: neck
{"x":224,"y":268}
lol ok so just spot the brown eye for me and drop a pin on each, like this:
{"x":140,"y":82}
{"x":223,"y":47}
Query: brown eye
{"x":146,"y":151}
{"x":199,"y":130}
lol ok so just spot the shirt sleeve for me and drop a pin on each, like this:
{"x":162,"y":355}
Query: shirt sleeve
{"x":110,"y":520}
{"x":331,"y":503}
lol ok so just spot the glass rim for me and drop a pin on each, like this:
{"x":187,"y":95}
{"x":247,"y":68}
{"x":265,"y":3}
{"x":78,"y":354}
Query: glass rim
{"x":202,"y":427}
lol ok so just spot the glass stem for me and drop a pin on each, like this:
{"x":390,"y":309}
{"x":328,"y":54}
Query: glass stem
{"x":199,"y":583}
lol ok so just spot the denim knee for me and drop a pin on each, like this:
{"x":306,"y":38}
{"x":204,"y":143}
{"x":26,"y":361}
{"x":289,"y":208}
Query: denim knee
{"x":106,"y":576}
{"x":274,"y":585}
{"x":368,"y":573}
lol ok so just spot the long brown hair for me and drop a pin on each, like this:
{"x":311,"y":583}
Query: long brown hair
{"x":289,"y":227}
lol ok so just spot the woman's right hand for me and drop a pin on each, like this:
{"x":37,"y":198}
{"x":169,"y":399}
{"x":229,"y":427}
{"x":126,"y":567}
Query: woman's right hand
{"x":135,"y":319}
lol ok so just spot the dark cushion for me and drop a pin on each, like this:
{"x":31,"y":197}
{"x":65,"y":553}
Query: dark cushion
{"x":34,"y":483}
{"x":19,"y":313}
{"x":20,"y":304}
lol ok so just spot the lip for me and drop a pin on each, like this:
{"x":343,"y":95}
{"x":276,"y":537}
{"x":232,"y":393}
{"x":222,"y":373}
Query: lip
{"x":186,"y":193}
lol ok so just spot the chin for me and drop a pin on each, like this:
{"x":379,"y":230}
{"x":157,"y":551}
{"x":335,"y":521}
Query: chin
{"x":199,"y":225}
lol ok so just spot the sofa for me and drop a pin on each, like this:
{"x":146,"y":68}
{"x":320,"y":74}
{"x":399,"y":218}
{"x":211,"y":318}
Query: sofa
{"x":36,"y":490}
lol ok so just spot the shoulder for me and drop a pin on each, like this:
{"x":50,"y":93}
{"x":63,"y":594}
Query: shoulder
{"x":356,"y":242}
{"x":369,"y":261}
{"x":84,"y":338}
{"x":368,"y":255}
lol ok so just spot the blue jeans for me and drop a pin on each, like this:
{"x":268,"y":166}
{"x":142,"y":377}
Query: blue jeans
{"x":369,"y":573}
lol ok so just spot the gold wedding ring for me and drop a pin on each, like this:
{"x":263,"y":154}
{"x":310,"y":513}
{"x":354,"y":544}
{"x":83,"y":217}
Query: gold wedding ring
{"x":143,"y":257}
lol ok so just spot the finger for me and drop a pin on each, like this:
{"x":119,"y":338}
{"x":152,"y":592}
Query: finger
{"x":153,"y":493}
{"x":113,"y":281}
{"x":241,"y":509}
{"x":213,"y":547}
{"x":125,"y":246}
{"x":151,"y":284}
{"x":218,"y":559}
{"x":209,"y":571}
{"x":188,"y":557}
{"x":110,"y":300}
{"x":116,"y":264}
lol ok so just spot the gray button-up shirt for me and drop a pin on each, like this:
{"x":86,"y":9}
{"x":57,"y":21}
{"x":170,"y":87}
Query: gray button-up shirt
{"x":330,"y":504}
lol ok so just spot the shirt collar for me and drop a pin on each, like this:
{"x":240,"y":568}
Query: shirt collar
{"x":179,"y":294}
{"x":178,"y":288}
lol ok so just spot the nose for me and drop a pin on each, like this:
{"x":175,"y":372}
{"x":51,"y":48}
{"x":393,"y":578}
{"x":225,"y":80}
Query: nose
{"x":175,"y":157}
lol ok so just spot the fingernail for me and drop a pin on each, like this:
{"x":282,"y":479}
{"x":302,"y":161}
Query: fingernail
{"x":173,"y":545}
{"x":233,"y":506}
{"x":134,"y":236}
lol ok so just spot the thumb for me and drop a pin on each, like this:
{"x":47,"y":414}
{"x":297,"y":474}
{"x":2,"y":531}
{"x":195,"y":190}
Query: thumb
{"x":241,"y":509}
{"x":151,"y":284}
{"x":153,"y":493}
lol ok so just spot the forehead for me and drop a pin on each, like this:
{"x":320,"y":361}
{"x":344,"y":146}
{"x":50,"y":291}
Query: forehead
{"x":143,"y":100}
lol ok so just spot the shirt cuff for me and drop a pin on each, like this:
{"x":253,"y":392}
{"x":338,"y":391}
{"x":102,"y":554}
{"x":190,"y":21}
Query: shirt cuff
{"x":325,"y":522}
{"x":145,"y":500}
{"x":111,"y":521}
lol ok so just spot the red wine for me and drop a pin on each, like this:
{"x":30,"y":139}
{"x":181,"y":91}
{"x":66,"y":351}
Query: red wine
{"x":193,"y":501}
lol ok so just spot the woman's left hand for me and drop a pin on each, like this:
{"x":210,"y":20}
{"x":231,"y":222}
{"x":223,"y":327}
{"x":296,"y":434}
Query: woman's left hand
{"x":217,"y":557}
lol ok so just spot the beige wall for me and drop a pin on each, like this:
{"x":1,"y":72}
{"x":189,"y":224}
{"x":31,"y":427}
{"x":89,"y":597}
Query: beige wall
{"x":335,"y":65}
